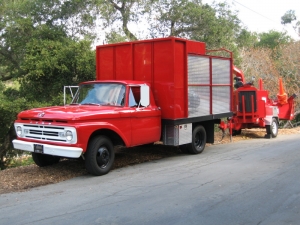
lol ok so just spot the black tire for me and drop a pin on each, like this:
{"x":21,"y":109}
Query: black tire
{"x":273,"y":128}
{"x":198,"y":140}
{"x":100,"y":156}
{"x":44,"y":160}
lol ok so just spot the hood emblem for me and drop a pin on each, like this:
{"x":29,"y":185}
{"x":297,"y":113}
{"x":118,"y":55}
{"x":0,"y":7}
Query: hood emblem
{"x":41,"y":114}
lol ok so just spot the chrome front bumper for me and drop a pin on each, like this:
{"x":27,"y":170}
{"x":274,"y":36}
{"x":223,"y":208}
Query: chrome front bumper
{"x":63,"y":151}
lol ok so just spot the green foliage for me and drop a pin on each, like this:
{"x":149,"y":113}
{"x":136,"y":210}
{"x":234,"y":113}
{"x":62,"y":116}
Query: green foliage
{"x":288,"y":17}
{"x":246,"y":39}
{"x":49,"y":65}
{"x":115,"y":37}
{"x":1,"y":88}
{"x":41,"y":48}
{"x":22,"y":22}
{"x":8,"y":111}
{"x":118,"y":15}
{"x":272,"y":39}
{"x":216,"y":25}
{"x":24,"y":160}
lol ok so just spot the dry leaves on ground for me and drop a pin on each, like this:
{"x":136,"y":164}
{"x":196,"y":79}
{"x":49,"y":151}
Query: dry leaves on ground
{"x":26,"y":177}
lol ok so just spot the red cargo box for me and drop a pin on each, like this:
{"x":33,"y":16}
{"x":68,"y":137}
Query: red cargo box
{"x":185,"y":82}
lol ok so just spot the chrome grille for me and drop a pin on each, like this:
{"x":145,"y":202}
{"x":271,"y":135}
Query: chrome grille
{"x":47,"y":133}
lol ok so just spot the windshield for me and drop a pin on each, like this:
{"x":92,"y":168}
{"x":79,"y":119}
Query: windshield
{"x":100,"y":94}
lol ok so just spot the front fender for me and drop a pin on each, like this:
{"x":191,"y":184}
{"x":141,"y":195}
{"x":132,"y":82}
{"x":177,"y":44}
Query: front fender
{"x":85,"y":130}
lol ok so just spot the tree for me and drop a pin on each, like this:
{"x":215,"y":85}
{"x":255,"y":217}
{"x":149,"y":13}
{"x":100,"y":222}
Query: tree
{"x":289,"y":67}
{"x":21,"y":21}
{"x":49,"y":33}
{"x":290,"y":18}
{"x":118,"y":15}
{"x":49,"y":65}
{"x":246,"y":39}
{"x":41,"y":47}
{"x":216,"y":25}
{"x":272,"y":39}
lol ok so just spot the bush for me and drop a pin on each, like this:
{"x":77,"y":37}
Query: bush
{"x":9,"y":110}
{"x":48,"y":65}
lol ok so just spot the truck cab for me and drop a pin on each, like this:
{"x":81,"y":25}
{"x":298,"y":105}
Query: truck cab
{"x":101,"y":115}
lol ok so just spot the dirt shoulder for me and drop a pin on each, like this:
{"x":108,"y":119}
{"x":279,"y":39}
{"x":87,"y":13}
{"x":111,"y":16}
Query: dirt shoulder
{"x":26,"y":177}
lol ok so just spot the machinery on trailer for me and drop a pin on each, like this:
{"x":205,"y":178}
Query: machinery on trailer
{"x":253,"y":108}
{"x":166,"y":90}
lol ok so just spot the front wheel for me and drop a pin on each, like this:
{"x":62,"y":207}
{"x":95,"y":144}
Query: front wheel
{"x":198,"y":140}
{"x":44,"y":160}
{"x":273,"y":128}
{"x":100,"y":156}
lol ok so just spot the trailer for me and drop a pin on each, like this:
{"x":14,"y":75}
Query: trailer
{"x":253,"y":108}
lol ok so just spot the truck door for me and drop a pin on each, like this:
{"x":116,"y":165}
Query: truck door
{"x":145,"y":119}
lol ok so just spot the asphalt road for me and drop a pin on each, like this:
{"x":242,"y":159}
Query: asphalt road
{"x":248,"y":182}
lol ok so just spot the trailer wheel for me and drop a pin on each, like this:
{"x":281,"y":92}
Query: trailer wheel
{"x":273,"y":128}
{"x":100,"y":156}
{"x":198,"y":140}
{"x":44,"y":160}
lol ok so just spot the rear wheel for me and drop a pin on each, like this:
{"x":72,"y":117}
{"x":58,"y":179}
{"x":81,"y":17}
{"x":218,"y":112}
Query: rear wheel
{"x":198,"y":140}
{"x":273,"y":128}
{"x":100,"y":156}
{"x":44,"y":160}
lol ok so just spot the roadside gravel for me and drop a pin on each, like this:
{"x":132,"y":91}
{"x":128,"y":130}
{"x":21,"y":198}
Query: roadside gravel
{"x":26,"y":177}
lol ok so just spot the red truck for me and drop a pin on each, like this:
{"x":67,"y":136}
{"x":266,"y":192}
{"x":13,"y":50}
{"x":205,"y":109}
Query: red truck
{"x":166,"y":90}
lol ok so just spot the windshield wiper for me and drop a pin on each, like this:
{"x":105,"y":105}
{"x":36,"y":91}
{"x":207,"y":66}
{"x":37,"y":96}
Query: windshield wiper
{"x":90,"y":103}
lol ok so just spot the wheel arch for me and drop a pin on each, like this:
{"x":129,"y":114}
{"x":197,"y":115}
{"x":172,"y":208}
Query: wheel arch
{"x":112,"y":135}
{"x":277,"y":119}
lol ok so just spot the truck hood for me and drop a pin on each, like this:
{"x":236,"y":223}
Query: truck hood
{"x":72,"y":112}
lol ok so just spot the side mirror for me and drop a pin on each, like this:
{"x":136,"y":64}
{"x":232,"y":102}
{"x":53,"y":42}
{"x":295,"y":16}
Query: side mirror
{"x":145,"y":95}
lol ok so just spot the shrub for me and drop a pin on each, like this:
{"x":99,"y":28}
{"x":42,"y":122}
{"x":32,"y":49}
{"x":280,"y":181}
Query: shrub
{"x":9,"y":110}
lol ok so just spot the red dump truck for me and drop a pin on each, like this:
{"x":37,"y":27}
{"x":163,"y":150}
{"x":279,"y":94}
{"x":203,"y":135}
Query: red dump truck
{"x":166,"y":90}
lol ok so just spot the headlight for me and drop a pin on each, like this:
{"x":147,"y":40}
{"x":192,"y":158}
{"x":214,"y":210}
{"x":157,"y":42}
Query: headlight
{"x":19,"y":131}
{"x":69,"y":135}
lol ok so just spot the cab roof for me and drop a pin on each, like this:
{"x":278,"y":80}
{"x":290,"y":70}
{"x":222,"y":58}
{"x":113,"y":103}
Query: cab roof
{"x":125,"y":82}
